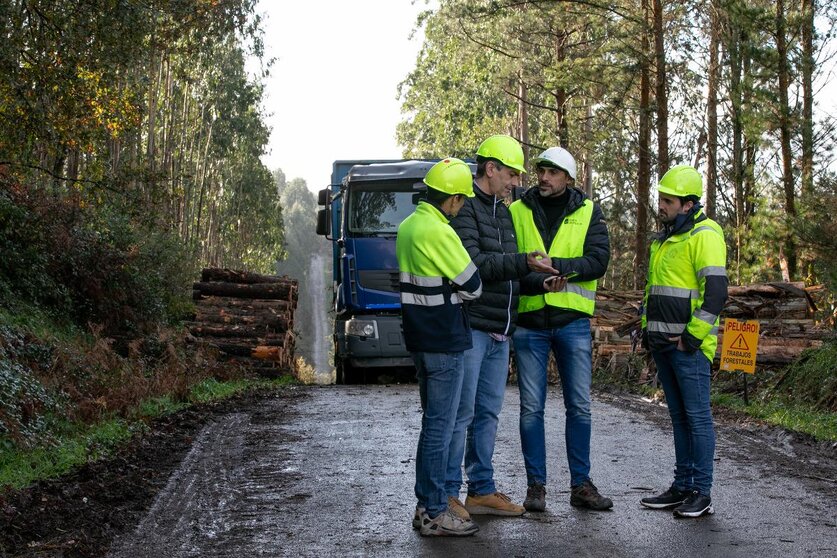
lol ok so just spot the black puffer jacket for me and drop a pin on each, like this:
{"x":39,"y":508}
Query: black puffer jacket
{"x":592,"y":265}
{"x":484,"y":224}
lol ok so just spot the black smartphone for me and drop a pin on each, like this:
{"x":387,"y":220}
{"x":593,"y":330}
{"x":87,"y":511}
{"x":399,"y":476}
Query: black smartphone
{"x":569,"y":275}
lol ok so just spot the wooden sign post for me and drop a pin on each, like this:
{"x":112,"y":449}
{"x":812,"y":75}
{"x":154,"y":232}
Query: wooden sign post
{"x":738,"y":351}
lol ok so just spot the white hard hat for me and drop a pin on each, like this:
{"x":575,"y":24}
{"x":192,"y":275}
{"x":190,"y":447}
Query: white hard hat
{"x":558,"y":157}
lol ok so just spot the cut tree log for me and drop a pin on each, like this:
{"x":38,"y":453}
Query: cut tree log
{"x":276,"y":291}
{"x":275,"y":322}
{"x":262,"y":352}
{"x":232,"y":304}
{"x":236,"y":276}
{"x":232,"y":331}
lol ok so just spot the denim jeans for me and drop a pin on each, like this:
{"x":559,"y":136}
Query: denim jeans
{"x":573,"y":349}
{"x":440,"y":383}
{"x":483,"y":389}
{"x":685,"y":380}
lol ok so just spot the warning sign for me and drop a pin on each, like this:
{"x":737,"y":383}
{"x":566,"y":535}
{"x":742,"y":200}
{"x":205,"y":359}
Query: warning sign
{"x":738,"y":351}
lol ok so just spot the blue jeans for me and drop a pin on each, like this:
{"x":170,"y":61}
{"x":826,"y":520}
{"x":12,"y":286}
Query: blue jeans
{"x":440,"y":383}
{"x":685,"y":380}
{"x":483,"y":389}
{"x":573,"y":349}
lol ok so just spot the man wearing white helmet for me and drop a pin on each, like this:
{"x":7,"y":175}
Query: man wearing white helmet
{"x":554,"y":316}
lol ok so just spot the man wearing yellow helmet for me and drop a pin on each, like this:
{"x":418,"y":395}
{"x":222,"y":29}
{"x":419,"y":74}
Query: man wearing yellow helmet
{"x":684,"y":296}
{"x":487,"y":233}
{"x":436,"y":277}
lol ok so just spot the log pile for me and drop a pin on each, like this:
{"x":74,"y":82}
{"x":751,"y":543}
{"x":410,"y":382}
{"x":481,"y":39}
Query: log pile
{"x":248,"y":317}
{"x":784,"y":310}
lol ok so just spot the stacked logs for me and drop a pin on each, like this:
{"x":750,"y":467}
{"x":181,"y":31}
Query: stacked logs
{"x":248,"y":317}
{"x":784,"y":311}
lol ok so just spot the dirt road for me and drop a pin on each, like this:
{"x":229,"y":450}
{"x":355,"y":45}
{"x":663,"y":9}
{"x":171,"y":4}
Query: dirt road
{"x":329,"y":472}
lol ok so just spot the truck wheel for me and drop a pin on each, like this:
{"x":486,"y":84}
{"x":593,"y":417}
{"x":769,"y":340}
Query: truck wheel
{"x":354,"y":375}
{"x":348,"y":374}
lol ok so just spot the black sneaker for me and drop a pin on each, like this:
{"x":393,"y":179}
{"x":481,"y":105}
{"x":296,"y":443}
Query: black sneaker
{"x":671,"y":498}
{"x":586,"y":495}
{"x":696,"y":505}
{"x":535,"y":498}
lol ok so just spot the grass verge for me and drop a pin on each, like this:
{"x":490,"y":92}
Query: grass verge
{"x":79,"y":444}
{"x":796,"y":417}
{"x":801,"y":397}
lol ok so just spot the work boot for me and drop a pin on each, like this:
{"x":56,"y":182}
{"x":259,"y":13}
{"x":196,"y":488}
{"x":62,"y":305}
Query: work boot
{"x":696,"y":505}
{"x":492,"y":504}
{"x":455,"y":506}
{"x":417,"y":517}
{"x":671,"y":498}
{"x":446,"y":524}
{"x":586,"y":495}
{"x":535,"y":498}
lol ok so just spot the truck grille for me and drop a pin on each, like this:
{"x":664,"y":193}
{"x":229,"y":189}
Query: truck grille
{"x":379,"y":280}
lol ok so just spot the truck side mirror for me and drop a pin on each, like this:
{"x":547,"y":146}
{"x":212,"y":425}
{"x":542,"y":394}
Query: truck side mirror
{"x":323,"y":222}
{"x":323,"y":196}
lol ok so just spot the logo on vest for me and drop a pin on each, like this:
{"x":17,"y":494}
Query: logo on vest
{"x":573,"y":221}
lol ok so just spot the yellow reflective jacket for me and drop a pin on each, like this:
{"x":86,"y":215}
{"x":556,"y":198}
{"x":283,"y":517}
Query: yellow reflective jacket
{"x":579,"y":296}
{"x":687,"y":287}
{"x":436,"y":276}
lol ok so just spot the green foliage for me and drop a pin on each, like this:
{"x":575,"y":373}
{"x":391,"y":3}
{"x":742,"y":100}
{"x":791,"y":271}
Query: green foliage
{"x":787,"y":414}
{"x":92,"y":264}
{"x":23,"y":402}
{"x":19,"y":468}
{"x":812,"y":379}
{"x":451,"y":100}
{"x":77,"y":444}
{"x":817,"y":231}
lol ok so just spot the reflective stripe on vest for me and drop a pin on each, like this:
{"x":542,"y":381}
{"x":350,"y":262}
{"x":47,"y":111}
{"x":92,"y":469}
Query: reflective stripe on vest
{"x":568,"y":243}
{"x":675,"y":287}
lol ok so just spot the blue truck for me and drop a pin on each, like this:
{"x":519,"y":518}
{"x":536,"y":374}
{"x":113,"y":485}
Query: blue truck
{"x":360,"y":214}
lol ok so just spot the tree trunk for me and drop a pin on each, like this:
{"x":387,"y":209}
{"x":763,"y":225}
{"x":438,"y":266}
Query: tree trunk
{"x":588,"y":141}
{"x":662,"y":96}
{"x":562,"y":131}
{"x":644,"y":164}
{"x":808,"y":62}
{"x":785,"y":133}
{"x":523,"y":119}
{"x":712,"y":110}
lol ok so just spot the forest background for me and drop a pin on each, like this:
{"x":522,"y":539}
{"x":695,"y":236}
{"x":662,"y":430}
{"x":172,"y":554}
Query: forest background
{"x":131,"y":135}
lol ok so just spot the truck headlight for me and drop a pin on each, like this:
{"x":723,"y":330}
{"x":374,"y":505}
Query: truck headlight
{"x":362,"y":328}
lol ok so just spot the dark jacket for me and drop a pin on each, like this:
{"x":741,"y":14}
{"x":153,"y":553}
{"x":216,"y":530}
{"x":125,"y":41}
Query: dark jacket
{"x":592,"y":265}
{"x":484,"y":224}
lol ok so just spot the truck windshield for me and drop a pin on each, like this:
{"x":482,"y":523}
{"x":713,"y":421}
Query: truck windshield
{"x":377,"y":209}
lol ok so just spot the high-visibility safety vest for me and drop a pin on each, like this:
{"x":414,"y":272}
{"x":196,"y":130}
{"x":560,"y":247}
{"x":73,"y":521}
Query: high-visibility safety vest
{"x":568,"y":243}
{"x":436,"y":276}
{"x":678,"y":269}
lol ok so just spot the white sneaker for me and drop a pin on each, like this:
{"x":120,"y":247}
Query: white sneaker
{"x":446,"y":524}
{"x":417,"y":517}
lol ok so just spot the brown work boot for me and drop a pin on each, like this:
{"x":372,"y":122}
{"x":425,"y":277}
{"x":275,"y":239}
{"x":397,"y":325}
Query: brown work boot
{"x":456,"y":507}
{"x":492,"y":504}
{"x":535,"y":498}
{"x":586,"y":495}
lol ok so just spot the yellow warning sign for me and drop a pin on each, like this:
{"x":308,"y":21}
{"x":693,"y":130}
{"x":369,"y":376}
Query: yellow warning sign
{"x":738,"y":350}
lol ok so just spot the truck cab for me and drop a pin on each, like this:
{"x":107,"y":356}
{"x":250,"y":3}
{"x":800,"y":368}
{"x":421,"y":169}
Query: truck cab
{"x":362,"y":209}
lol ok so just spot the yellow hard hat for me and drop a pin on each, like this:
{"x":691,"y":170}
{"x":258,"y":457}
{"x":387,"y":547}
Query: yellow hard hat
{"x":505,"y":149}
{"x":451,"y":176}
{"x":681,"y":181}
